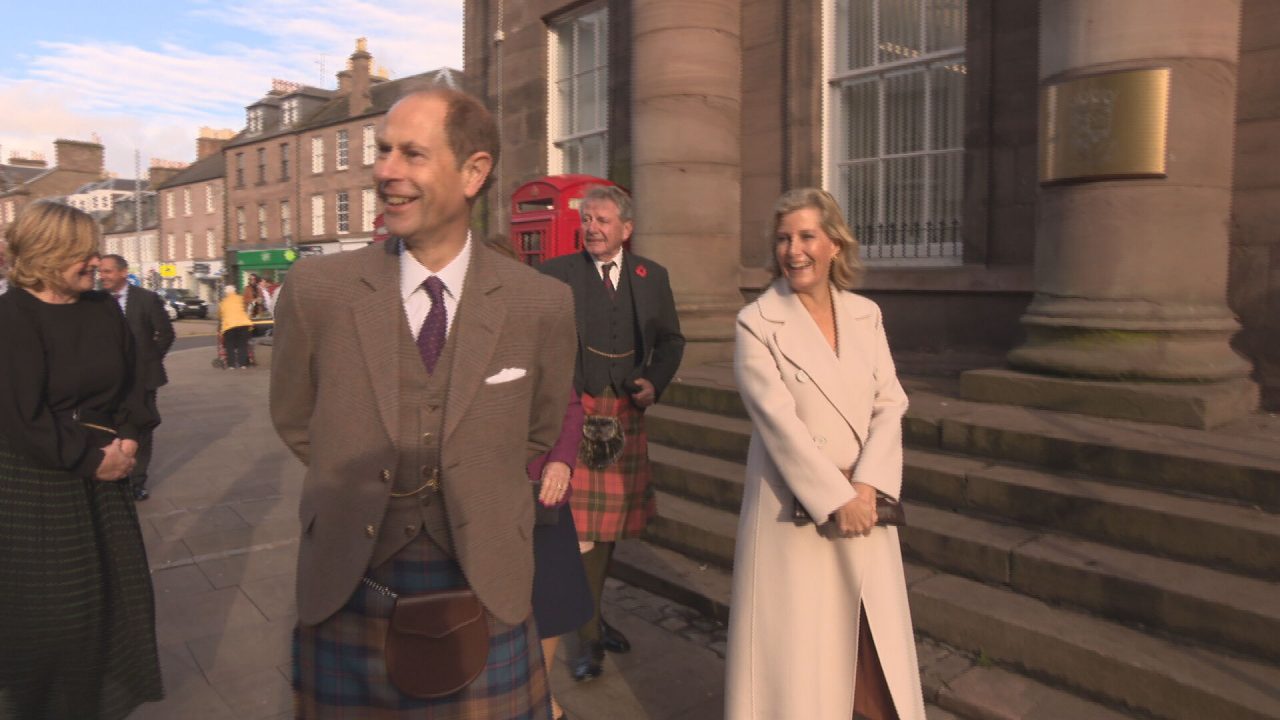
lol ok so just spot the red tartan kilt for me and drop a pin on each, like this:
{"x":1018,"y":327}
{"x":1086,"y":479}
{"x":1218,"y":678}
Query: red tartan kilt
{"x":616,"y":502}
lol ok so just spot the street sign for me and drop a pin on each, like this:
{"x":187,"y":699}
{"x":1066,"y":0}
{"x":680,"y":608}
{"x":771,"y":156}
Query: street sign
{"x":200,"y":268}
{"x":168,"y":270}
{"x":134,"y":280}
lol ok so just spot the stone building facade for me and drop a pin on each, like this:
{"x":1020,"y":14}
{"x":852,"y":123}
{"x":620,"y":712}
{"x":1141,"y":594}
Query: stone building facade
{"x":299,"y":177}
{"x":76,"y":163}
{"x":193,"y":218}
{"x":923,"y":119}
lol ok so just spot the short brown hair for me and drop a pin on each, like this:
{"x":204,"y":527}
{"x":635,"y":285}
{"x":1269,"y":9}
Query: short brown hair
{"x":846,"y":267}
{"x":468,"y":126}
{"x":45,"y":240}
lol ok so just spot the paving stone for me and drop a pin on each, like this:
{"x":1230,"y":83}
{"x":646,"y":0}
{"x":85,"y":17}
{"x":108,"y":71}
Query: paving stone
{"x":232,"y":652}
{"x":214,"y":519}
{"x":181,"y":580}
{"x":247,"y":567}
{"x":275,"y":596}
{"x":187,"y":617}
{"x":256,"y":694}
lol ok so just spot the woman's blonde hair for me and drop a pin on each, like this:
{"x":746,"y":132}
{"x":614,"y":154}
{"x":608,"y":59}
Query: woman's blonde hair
{"x":45,"y":240}
{"x":846,"y":267}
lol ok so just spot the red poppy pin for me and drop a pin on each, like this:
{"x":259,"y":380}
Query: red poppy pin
{"x":642,"y":271}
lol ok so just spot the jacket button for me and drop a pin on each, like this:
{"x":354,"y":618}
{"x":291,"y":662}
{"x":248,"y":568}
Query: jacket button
{"x":370,"y":530}
{"x":426,"y":437}
{"x":409,"y":530}
{"x":386,"y":476}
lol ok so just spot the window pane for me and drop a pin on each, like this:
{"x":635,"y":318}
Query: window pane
{"x":899,"y":30}
{"x":861,"y":120}
{"x":588,"y":38}
{"x":564,"y":95}
{"x":858,"y":196}
{"x":904,"y":112}
{"x":947,"y":100}
{"x":592,"y":156}
{"x":564,"y":51}
{"x":903,"y":202}
{"x":588,"y":103}
{"x":857,"y":20}
{"x":946,"y":21}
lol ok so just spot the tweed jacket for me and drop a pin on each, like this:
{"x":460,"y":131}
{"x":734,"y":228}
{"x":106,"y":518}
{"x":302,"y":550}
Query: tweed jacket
{"x":335,"y":403}
{"x":152,"y":332}
{"x":661,"y":342}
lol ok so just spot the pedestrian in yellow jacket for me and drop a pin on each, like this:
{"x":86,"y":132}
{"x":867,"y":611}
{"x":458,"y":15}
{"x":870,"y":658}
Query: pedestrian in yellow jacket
{"x":236,"y":328}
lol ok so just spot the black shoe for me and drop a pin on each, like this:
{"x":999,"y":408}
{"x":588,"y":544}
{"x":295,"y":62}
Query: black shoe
{"x":590,"y":664}
{"x":140,"y":494}
{"x":613,"y":641}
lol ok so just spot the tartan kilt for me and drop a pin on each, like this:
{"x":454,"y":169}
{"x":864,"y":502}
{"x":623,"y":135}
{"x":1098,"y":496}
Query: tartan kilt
{"x":339,"y":670}
{"x":77,"y":613}
{"x":618,"y":501}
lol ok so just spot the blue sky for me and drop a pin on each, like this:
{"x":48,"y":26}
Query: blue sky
{"x":150,"y":76}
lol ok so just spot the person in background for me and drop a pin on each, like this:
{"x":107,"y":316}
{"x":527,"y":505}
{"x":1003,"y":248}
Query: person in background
{"x":153,"y":336}
{"x":629,"y":347}
{"x":236,"y":328}
{"x":77,"y":615}
{"x":820,"y":627}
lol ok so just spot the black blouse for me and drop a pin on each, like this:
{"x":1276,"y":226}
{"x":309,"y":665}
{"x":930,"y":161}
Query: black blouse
{"x":57,"y":359}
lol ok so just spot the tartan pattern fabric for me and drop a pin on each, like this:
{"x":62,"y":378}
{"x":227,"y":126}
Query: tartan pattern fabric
{"x":339,"y":671}
{"x":618,"y":501}
{"x":77,"y":615}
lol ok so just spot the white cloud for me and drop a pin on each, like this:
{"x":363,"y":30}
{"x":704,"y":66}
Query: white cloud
{"x":156,"y":98}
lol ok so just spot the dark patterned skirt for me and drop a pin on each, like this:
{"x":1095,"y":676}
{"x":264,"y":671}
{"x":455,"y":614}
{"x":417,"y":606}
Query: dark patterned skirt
{"x":77,"y":615}
{"x":339,"y":670}
{"x":618,"y":501}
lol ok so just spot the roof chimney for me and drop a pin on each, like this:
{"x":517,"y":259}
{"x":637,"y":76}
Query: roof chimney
{"x":78,"y":156}
{"x":360,"y":100}
{"x":210,"y":141}
{"x":31,"y":160}
{"x":162,"y":171}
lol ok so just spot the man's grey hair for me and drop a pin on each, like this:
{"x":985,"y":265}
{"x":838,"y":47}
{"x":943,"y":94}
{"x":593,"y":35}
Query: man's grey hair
{"x":613,"y":194}
{"x":118,"y":260}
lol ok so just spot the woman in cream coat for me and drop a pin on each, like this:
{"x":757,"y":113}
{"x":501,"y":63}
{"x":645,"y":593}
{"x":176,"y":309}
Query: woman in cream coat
{"x":814,"y":370}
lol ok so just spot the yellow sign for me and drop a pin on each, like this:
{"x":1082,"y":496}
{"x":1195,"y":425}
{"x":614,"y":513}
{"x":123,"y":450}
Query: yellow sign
{"x":168,"y":270}
{"x":1105,"y":127}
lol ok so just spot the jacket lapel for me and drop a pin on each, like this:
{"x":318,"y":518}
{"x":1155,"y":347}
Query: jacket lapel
{"x":476,"y":330}
{"x":379,"y":320}
{"x":801,"y":342}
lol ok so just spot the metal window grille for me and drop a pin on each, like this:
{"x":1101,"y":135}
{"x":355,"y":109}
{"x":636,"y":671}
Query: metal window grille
{"x":344,"y":211}
{"x":897,"y":98}
{"x":343,"y":149}
{"x":580,"y":49}
{"x":317,"y":214}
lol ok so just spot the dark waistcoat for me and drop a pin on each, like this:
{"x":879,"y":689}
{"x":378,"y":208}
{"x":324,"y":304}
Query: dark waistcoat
{"x":609,"y":326}
{"x":421,"y":424}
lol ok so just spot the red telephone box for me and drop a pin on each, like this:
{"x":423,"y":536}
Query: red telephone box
{"x":545,"y":222}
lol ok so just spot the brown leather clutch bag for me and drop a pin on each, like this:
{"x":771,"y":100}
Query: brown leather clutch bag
{"x":888,"y":512}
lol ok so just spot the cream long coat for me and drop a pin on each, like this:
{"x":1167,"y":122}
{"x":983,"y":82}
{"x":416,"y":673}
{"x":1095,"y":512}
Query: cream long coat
{"x":793,"y":629}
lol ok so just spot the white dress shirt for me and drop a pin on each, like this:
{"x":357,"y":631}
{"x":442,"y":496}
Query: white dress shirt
{"x":615,"y":272}
{"x":122,"y":298}
{"x":417,"y":303}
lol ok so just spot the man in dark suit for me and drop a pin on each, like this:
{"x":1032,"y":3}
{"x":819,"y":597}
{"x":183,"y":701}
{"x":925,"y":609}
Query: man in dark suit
{"x":629,"y":347}
{"x":415,"y":378}
{"x":153,"y":335}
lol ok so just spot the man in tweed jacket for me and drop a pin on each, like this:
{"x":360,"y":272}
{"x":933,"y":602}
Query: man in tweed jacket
{"x":415,"y":409}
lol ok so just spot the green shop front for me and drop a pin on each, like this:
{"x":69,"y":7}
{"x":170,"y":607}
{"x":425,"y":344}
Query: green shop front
{"x":270,"y":264}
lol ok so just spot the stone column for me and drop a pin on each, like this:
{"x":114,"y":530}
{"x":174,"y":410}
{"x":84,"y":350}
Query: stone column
{"x":1131,"y":275}
{"x":687,"y":168}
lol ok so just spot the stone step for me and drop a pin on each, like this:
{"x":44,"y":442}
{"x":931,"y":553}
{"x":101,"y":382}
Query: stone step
{"x":1242,"y":466}
{"x":705,"y":433}
{"x":1093,"y":656}
{"x":1220,"y":535}
{"x":955,"y":685}
{"x":1173,"y":597}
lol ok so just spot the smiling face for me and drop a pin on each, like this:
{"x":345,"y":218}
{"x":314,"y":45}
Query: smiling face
{"x":423,"y":188}
{"x":603,"y":229}
{"x":112,"y":276}
{"x":804,"y":251}
{"x":78,"y":276}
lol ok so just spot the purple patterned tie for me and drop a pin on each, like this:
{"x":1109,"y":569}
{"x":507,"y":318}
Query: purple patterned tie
{"x":431,"y":336}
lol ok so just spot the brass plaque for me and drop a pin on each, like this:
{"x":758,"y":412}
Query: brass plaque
{"x":1105,"y":127}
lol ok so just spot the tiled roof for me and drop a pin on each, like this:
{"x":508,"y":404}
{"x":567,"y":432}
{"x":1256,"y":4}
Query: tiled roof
{"x":13,"y":175}
{"x":111,"y":184}
{"x":206,"y":168}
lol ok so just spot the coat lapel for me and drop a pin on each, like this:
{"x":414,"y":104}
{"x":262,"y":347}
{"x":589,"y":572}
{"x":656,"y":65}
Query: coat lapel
{"x":379,"y":320}
{"x":801,"y":342}
{"x":476,"y":330}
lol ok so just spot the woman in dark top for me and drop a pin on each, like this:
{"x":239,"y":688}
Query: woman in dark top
{"x":77,"y":620}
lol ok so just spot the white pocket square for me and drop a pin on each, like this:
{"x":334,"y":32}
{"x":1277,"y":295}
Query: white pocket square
{"x":505,"y":375}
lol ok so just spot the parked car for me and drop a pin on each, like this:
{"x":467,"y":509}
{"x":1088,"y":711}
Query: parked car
{"x":182,"y":304}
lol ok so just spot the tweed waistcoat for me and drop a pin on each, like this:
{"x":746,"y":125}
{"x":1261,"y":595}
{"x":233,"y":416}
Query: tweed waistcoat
{"x":609,"y":326}
{"x":421,"y":425}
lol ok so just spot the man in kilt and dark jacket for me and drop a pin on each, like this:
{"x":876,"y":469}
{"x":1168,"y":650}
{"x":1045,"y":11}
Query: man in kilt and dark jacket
{"x":629,"y":347}
{"x":415,"y":378}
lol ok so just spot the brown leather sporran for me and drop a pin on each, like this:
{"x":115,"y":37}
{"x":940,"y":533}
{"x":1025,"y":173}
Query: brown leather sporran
{"x":437,"y":642}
